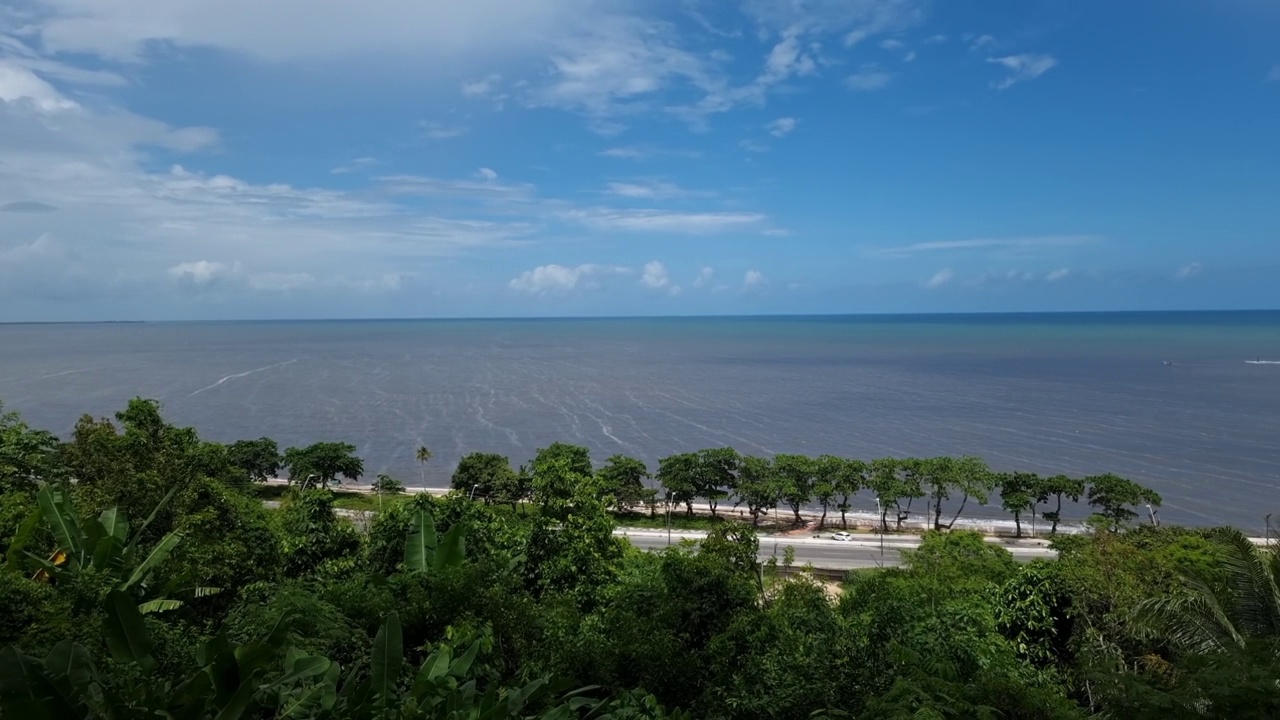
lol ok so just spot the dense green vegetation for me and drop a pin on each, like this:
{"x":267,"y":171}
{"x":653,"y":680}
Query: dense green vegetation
{"x":143,"y":577}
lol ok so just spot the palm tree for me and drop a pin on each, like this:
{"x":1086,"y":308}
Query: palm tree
{"x":1214,"y":617}
{"x":423,"y":456}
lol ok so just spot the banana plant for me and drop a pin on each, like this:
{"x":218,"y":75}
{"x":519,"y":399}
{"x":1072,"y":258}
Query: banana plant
{"x":424,"y":550}
{"x":103,"y":544}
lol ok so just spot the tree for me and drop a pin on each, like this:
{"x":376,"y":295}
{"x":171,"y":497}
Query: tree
{"x":716,"y":475}
{"x":759,"y":486}
{"x":827,"y":472}
{"x":488,"y":475}
{"x":577,"y":457}
{"x":312,"y":536}
{"x":678,"y":476}
{"x":893,"y":481}
{"x":423,"y":456}
{"x":322,"y":463}
{"x":386,"y":485}
{"x":798,"y":476}
{"x":1210,"y":615}
{"x":258,"y":460}
{"x":850,"y":480}
{"x":1113,"y":496}
{"x":1059,"y":486}
{"x":27,"y":456}
{"x":971,"y":477}
{"x":1020,"y":492}
{"x":622,"y":479}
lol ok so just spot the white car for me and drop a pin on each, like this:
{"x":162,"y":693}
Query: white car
{"x":842,"y":536}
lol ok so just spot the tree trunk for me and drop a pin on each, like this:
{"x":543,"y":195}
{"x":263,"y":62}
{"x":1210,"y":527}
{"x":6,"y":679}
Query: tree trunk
{"x":1017,"y":522}
{"x":1057,"y":515}
{"x":957,"y":515}
{"x":713,"y":504}
{"x":884,"y":518}
{"x":937,"y":513}
{"x":822,"y":521}
{"x":688,"y":508}
{"x":795,"y":508}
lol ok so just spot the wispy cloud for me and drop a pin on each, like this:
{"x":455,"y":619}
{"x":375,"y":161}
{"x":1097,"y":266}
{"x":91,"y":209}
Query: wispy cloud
{"x":1047,"y":241}
{"x":753,"y":146}
{"x":704,"y":277}
{"x":626,"y":153}
{"x":782,"y":126}
{"x":649,"y":190}
{"x":978,"y":42}
{"x":482,"y":87}
{"x":360,"y":163}
{"x":443,"y":132}
{"x":662,"y":220}
{"x":753,"y":279}
{"x":868,"y":80}
{"x":1056,"y":275}
{"x":1022,"y":68}
{"x":547,"y":279}
{"x":1274,"y":75}
{"x":1188,"y":271}
{"x":940,"y":278}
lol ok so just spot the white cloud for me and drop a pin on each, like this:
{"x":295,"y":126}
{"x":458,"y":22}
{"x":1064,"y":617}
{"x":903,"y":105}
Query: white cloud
{"x":1059,"y":274}
{"x":782,"y":126}
{"x":486,"y":174}
{"x":893,"y":45}
{"x":19,"y":85}
{"x":287,"y":31}
{"x":482,"y":87}
{"x":909,"y":57}
{"x":777,"y":232}
{"x":977,"y":42}
{"x":1022,"y":68}
{"x":200,"y":272}
{"x":1046,"y":241}
{"x":940,"y":278}
{"x":1274,"y":75}
{"x":625,"y":153}
{"x":753,"y":278}
{"x":661,"y":221}
{"x":753,"y":146}
{"x":360,"y":163}
{"x":704,"y":277}
{"x":655,"y":276}
{"x":648,"y":190}
{"x":868,"y":80}
{"x":443,"y":132}
{"x":546,"y":279}
{"x":935,"y":39}
{"x":1188,"y":271}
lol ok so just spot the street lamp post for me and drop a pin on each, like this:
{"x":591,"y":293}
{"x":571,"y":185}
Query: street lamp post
{"x":472,"y":496}
{"x":880,"y":512}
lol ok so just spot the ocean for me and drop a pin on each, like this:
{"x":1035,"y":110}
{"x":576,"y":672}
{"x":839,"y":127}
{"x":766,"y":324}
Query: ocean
{"x":1049,"y":393}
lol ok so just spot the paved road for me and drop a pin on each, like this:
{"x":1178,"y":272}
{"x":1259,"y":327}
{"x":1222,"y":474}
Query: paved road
{"x":833,"y":556}
{"x":824,"y":553}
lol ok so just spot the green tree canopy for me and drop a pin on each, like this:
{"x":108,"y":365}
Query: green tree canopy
{"x":322,"y":463}
{"x":258,"y":460}
{"x":1114,"y":497}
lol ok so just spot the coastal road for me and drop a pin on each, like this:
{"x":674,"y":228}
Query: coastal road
{"x":824,"y":553}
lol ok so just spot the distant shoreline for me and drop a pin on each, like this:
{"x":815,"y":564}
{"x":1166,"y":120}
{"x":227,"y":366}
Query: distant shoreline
{"x":906,"y":317}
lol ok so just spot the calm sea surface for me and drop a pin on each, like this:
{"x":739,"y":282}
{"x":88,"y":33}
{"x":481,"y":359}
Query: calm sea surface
{"x":1050,"y":393}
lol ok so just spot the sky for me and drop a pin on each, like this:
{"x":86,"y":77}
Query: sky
{"x":240,"y":159}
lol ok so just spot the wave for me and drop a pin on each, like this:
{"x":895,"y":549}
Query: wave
{"x":240,"y":375}
{"x":1263,"y":362}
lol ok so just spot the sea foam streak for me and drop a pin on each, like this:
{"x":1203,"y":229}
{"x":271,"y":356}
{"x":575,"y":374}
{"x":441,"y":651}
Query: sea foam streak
{"x":240,"y":375}
{"x":1262,"y":362}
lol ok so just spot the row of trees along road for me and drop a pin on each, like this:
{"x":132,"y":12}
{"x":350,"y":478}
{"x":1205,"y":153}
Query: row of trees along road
{"x":720,"y":475}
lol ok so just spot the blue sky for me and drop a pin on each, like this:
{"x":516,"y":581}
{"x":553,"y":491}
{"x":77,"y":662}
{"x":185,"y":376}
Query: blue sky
{"x":199,"y":159}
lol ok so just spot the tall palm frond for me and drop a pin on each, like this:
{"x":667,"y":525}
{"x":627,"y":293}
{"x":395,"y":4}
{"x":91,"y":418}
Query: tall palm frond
{"x":1204,"y":618}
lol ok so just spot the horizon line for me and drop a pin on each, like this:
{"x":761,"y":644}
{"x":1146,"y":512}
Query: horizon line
{"x":724,"y":316}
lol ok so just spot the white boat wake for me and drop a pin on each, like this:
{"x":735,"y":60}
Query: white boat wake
{"x":1262,"y":362}
{"x":240,"y":375}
